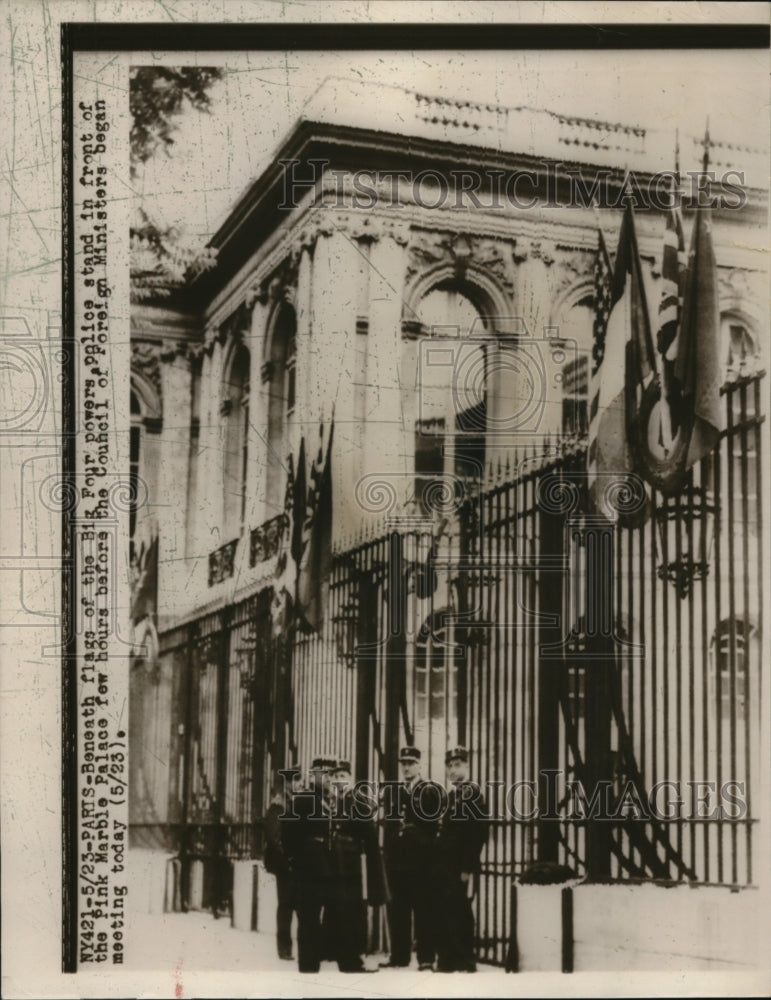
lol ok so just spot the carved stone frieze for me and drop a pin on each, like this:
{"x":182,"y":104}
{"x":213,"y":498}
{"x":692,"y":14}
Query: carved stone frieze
{"x":461,"y":251}
{"x":572,"y":268}
{"x":736,"y":284}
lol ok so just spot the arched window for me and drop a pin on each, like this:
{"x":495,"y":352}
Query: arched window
{"x":572,"y":338}
{"x":729,"y":638}
{"x":235,"y":407}
{"x":451,"y":422}
{"x":740,"y":346}
{"x":280,"y":376}
{"x":145,"y":424}
{"x":435,"y":693}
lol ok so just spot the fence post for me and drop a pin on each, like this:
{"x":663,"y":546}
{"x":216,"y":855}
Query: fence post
{"x":395,"y":651}
{"x":600,"y":646}
{"x":550,"y":602}
{"x":366,"y":637}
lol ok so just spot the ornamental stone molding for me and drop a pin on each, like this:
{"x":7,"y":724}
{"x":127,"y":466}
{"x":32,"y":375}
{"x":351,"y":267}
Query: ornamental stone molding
{"x":736,"y":288}
{"x":540,"y":250}
{"x":145,"y":361}
{"x":574,"y":268}
{"x":281,"y":284}
{"x":461,"y":252}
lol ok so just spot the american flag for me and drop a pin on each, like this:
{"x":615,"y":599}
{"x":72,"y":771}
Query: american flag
{"x":602,"y":306}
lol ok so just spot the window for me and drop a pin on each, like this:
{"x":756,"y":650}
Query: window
{"x":720,"y":666}
{"x":575,"y":390}
{"x":429,"y":459}
{"x":742,"y":351}
{"x":435,"y":694}
{"x":290,"y":376}
{"x":470,"y":427}
{"x":451,"y":427}
{"x":193,"y":465}
{"x":235,"y":406}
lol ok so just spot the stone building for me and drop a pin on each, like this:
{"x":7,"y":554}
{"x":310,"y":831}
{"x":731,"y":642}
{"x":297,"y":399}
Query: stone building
{"x":421,"y":277}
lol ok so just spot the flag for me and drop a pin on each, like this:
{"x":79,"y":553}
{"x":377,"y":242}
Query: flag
{"x":661,"y":436}
{"x":602,"y":303}
{"x":690,"y":411}
{"x":673,"y":270}
{"x":625,"y":368}
{"x":144,"y":597}
{"x":697,"y":366}
{"x":316,"y":564}
{"x":297,"y":499}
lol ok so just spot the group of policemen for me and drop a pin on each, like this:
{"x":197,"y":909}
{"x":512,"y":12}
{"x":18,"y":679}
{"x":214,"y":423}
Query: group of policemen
{"x":323,"y":848}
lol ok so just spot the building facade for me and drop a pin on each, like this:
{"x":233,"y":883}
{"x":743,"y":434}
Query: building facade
{"x":421,"y":294}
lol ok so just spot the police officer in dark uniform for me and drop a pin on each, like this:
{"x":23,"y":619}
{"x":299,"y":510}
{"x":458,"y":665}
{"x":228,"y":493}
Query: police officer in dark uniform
{"x":275,"y":858}
{"x":306,"y":836}
{"x":357,"y":873}
{"x":462,"y":835}
{"x":411,"y":811}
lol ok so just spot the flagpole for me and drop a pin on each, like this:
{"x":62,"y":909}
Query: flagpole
{"x":706,"y":146}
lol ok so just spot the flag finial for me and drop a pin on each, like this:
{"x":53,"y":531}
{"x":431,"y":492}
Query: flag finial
{"x":706,"y":145}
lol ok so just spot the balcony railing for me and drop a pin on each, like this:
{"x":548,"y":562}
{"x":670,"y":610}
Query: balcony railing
{"x":221,"y":562}
{"x":264,"y":541}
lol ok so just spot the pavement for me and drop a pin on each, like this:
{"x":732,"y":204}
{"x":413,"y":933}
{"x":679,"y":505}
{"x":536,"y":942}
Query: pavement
{"x":179,"y":946}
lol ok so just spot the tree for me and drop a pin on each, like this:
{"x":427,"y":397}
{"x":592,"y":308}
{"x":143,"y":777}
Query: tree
{"x":158,"y":96}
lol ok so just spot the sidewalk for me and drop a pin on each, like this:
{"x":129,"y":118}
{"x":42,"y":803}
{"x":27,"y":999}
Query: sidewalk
{"x":195,"y":941}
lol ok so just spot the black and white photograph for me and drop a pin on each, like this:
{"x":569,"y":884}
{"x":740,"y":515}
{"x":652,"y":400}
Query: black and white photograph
{"x":387,"y":525}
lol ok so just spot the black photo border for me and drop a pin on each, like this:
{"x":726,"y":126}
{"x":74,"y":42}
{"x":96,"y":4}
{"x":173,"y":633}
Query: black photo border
{"x":254,"y":36}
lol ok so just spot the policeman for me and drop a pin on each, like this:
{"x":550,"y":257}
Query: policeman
{"x":411,"y":811}
{"x":288,"y":783}
{"x":306,"y":836}
{"x":354,"y":848}
{"x":462,"y":834}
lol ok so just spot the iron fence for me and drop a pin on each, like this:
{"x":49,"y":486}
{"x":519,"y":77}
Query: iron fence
{"x":574,"y":658}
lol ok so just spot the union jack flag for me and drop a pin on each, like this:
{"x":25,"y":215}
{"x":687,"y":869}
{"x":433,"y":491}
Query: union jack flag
{"x":673,"y":271}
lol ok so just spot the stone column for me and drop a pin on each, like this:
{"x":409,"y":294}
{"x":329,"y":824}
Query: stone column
{"x":210,"y":500}
{"x":391,"y":370}
{"x":523,"y":391}
{"x":171,"y":495}
{"x":330,"y":370}
{"x":256,"y":339}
